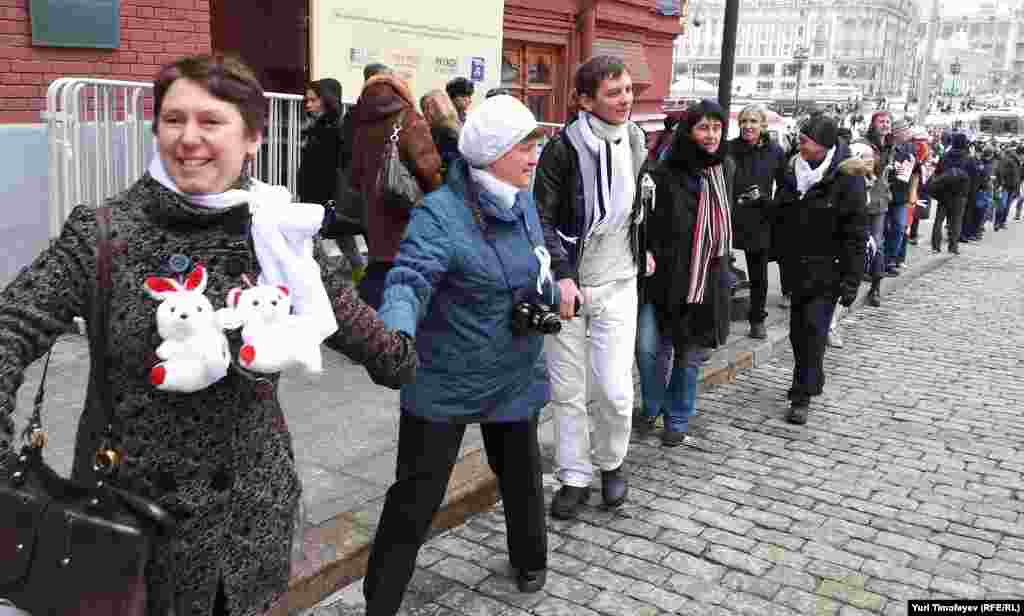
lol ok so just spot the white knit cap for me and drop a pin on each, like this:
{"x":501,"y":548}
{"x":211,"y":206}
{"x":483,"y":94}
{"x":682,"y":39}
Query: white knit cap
{"x":493,"y":128}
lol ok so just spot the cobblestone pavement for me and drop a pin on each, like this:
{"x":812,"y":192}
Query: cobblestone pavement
{"x":905,"y":483}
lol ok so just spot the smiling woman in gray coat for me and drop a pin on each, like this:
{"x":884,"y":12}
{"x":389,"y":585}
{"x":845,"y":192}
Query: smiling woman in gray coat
{"x":219,"y":459}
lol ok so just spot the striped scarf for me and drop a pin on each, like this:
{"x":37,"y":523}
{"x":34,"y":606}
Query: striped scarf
{"x":712,"y":234}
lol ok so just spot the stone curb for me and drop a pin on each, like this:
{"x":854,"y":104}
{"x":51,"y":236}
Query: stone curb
{"x":335,"y":553}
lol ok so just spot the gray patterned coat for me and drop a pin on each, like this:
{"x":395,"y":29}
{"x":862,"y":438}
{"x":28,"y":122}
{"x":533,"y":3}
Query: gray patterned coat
{"x":220,"y":460}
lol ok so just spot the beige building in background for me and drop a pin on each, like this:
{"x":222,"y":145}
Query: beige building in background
{"x":861,"y":43}
{"x":992,"y":35}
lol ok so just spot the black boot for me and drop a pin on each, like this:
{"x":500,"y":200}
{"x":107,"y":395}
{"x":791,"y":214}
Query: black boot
{"x":875,"y":294}
{"x":798,"y":412}
{"x":531,"y":581}
{"x":568,"y":500}
{"x":613,"y":487}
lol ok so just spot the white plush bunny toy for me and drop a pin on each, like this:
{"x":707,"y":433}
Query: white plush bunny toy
{"x":273,"y":338}
{"x":194,"y":352}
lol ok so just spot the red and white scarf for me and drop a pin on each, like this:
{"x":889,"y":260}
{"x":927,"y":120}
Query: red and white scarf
{"x":712,"y":233}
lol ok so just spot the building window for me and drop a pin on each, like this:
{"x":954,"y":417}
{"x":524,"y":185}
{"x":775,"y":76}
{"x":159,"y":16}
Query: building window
{"x":765,"y":70}
{"x":764,"y":86}
{"x":708,"y":69}
{"x":817,"y":70}
{"x":788,"y":85}
{"x":532,"y":73}
{"x":790,"y":70}
{"x":742,"y":69}
{"x":764,"y":49}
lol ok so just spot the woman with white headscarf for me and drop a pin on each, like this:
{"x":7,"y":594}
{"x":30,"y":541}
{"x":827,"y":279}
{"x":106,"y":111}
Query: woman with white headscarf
{"x":472,"y":283}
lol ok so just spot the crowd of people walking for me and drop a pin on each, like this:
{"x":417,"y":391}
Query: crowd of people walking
{"x":499,"y":278}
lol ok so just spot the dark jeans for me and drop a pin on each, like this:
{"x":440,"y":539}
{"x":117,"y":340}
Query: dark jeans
{"x":1003,"y":209}
{"x":895,"y":227}
{"x":809,"y":318}
{"x":371,"y":287}
{"x":876,"y":229}
{"x":757,"y":273}
{"x":427,"y":451}
{"x":952,"y":211}
{"x":974,"y":215}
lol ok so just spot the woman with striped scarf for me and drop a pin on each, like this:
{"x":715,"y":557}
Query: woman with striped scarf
{"x":685,"y":302}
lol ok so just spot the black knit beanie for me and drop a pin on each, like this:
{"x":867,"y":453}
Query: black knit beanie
{"x":822,"y":130}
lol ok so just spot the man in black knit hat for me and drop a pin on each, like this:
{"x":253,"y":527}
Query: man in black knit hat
{"x":460,"y":90}
{"x":820,"y":236}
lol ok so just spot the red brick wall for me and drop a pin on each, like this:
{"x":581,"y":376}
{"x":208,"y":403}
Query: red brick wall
{"x":153,"y":32}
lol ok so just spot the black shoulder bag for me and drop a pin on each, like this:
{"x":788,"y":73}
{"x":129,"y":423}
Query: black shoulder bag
{"x":68,"y":548}
{"x":346,"y":213}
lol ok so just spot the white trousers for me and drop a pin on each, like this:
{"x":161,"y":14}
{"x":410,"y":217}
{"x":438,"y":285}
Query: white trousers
{"x":605,"y":360}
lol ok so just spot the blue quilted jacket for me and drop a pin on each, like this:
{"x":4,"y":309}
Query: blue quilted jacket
{"x":453,"y":287}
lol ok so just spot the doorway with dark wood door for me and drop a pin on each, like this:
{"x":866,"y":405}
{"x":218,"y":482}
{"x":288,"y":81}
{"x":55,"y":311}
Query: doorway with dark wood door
{"x":535,"y":75}
{"x":271,"y":36}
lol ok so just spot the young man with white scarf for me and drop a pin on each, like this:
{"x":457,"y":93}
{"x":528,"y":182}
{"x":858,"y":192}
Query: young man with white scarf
{"x":820,"y":234}
{"x":588,"y":188}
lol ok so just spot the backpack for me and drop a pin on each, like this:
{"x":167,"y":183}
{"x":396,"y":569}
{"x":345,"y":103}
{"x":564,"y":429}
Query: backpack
{"x":952,"y":182}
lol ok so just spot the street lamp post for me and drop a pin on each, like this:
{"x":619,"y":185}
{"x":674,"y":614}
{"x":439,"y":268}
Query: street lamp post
{"x":954,"y":70}
{"x":799,"y":57}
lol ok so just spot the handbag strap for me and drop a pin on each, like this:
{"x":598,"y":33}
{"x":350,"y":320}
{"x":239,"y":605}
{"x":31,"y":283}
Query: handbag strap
{"x":98,"y":325}
{"x":106,"y":457}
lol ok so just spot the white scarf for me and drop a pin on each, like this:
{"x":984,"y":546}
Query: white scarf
{"x":282,"y":237}
{"x":616,"y":181}
{"x":807,"y":177}
{"x":503,"y":192}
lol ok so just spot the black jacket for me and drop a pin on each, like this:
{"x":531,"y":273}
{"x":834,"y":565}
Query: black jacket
{"x":320,"y":160}
{"x":820,"y":237}
{"x":756,"y":165}
{"x":952,"y":178}
{"x":670,"y":238}
{"x":1008,"y":173}
{"x":558,"y":193}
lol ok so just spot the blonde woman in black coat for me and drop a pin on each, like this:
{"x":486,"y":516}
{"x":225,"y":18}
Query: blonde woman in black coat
{"x":758,"y":159}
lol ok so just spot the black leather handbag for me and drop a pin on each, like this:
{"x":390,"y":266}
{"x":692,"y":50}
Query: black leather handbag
{"x":346,"y":212}
{"x":68,"y":548}
{"x":399,"y":188}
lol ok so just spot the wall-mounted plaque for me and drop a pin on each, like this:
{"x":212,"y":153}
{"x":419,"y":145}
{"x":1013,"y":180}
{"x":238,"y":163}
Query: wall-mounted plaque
{"x":76,"y":23}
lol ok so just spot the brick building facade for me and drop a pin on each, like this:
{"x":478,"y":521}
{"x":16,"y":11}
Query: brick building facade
{"x":544,"y":41}
{"x":153,"y":32}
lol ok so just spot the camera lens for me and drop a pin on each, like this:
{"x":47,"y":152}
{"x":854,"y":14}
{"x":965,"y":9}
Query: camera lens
{"x":549,"y":323}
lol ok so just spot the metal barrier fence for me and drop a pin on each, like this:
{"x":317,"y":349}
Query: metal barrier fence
{"x":100,"y":141}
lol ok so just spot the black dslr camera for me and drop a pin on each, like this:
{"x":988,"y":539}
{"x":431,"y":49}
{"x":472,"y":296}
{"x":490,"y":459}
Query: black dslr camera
{"x":531,"y":318}
{"x":750,"y":195}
